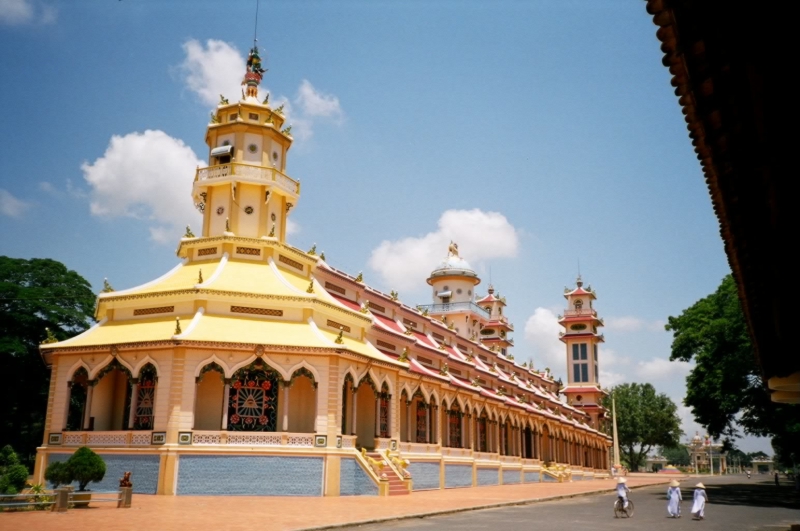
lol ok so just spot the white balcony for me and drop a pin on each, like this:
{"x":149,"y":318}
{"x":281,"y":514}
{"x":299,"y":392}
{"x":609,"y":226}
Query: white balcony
{"x":248,"y":173}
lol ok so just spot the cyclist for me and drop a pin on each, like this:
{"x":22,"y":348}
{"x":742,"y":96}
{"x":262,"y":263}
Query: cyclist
{"x":622,"y":491}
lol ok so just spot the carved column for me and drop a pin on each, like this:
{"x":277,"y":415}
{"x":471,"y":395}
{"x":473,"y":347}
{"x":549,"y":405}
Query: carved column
{"x":355,"y":409}
{"x":88,"y":411}
{"x":226,"y":400}
{"x":285,"y":423}
{"x":134,"y":397}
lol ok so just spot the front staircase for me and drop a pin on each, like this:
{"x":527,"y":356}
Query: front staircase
{"x":397,"y":486}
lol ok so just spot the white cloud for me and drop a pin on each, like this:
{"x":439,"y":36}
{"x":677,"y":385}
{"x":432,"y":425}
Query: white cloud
{"x":11,"y":206}
{"x":48,"y":187}
{"x":217,"y":68}
{"x":212,"y":70}
{"x":145,"y":176}
{"x":480,"y":236}
{"x":632,"y":324}
{"x":316,"y":104}
{"x":14,"y":12}
{"x":541,"y":332}
{"x":662,"y":369}
{"x":610,"y":378}
{"x":292,"y":227}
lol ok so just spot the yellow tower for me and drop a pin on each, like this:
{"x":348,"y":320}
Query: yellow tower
{"x":582,"y":339}
{"x":245,"y":191}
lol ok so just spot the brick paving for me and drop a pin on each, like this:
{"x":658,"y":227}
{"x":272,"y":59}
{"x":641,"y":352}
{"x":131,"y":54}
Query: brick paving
{"x":245,"y":513}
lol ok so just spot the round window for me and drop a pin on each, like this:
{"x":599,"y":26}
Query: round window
{"x":252,"y":148}
{"x":469,"y":292}
{"x":272,"y":217}
{"x":458,"y":291}
{"x":248,"y":210}
{"x":220,"y":211}
{"x":274,"y":155}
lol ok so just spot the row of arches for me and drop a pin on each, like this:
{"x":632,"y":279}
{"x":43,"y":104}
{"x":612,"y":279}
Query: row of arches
{"x":254,"y":398}
{"x":482,"y":430}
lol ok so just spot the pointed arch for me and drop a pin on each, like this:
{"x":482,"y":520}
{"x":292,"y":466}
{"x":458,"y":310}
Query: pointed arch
{"x":369,"y":376}
{"x":298,"y":368}
{"x":77,"y":365}
{"x":388,"y":384}
{"x":94,"y":374}
{"x":137,"y":369}
{"x":209,"y":360}
{"x":266,"y":359}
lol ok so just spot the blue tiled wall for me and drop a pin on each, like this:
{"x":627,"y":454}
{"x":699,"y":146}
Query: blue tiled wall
{"x":258,"y":475}
{"x":510,"y":477}
{"x":457,"y":476}
{"x":143,"y":469}
{"x":487,"y":476}
{"x":548,"y":479}
{"x":531,"y":477}
{"x":425,"y":476}
{"x":576,"y":477}
{"x":353,"y":481}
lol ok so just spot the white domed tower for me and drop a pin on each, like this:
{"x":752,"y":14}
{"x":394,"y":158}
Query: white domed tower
{"x":581,"y":336}
{"x":453,"y":282}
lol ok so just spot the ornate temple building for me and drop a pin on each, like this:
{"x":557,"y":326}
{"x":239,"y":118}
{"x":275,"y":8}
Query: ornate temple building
{"x":256,"y":368}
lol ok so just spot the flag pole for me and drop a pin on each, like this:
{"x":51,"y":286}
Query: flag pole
{"x":617,"y":463}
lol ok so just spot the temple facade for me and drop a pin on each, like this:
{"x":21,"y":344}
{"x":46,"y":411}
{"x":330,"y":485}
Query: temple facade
{"x":254,"y":367}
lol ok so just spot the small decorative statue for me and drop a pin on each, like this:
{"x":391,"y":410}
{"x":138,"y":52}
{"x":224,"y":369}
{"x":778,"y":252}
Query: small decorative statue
{"x":223,"y":100}
{"x":125,"y":480}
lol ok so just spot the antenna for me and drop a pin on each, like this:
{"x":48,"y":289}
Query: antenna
{"x":255,"y":30}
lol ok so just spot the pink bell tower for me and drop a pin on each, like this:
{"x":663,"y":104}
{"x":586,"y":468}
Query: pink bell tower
{"x":582,"y":339}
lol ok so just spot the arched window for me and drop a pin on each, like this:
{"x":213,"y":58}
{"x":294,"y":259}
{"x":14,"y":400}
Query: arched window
{"x":253,"y":403}
{"x":145,"y":398}
{"x":76,"y":411}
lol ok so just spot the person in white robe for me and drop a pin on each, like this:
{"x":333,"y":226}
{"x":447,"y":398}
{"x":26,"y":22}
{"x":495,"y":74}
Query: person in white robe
{"x":622,"y":491}
{"x":675,"y":498}
{"x":700,"y":499}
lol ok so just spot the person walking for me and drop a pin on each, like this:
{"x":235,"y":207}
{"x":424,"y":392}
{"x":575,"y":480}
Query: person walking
{"x":700,"y":499}
{"x":777,"y":479}
{"x":675,"y":498}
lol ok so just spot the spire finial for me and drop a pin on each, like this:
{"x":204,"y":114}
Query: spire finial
{"x":254,"y":73}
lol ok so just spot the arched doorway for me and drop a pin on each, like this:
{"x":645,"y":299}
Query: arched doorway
{"x":144,"y":398}
{"x":366,"y":396}
{"x":110,"y":398}
{"x":454,"y":422}
{"x":302,"y":402}
{"x":483,"y":432}
{"x":209,"y":398}
{"x":76,"y":408}
{"x":253,"y":401}
{"x":547,"y":455}
{"x":348,"y":401}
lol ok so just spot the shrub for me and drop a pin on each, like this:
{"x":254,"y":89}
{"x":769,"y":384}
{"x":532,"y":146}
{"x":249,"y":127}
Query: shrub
{"x":85,"y":466}
{"x":57,"y":473}
{"x":13,"y":475}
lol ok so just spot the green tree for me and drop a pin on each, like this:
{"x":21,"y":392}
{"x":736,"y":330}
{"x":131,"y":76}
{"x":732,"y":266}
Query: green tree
{"x":84,"y":466}
{"x":13,"y":475}
{"x":677,"y":455}
{"x":35,"y":296}
{"x":725,"y":389}
{"x":645,"y":419}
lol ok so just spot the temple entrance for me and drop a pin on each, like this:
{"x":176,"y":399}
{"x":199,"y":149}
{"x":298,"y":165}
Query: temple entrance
{"x":76,"y":410}
{"x":302,"y":402}
{"x":253,"y":400}
{"x":110,"y":399}
{"x":209,"y":398}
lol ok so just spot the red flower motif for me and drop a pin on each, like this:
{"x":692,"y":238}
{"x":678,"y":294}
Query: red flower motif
{"x":251,"y":383}
{"x":266,"y":385}
{"x":262,"y":419}
{"x":234,"y":418}
{"x":248,"y":420}
{"x":237,"y":384}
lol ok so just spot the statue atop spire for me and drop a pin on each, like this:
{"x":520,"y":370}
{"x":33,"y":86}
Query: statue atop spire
{"x":254,"y":73}
{"x":452,"y":249}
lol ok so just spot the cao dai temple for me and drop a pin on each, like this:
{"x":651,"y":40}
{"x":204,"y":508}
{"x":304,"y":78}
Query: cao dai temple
{"x":256,"y":368}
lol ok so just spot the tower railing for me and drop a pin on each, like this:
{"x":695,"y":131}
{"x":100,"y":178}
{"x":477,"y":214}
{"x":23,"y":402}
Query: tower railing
{"x":583,"y":312}
{"x":249,"y":172}
{"x":452,"y":307}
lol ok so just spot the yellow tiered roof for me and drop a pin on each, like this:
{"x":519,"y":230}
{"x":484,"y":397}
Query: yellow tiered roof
{"x":118,"y":332}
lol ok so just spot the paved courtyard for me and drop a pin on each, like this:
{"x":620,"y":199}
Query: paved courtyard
{"x":184,"y":513}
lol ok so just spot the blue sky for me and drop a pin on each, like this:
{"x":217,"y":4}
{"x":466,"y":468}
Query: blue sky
{"x":535,"y":134}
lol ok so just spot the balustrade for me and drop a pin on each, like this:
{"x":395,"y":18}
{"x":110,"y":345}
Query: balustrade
{"x":249,"y":172}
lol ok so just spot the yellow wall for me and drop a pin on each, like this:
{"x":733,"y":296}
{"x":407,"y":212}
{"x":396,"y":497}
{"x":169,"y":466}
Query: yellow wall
{"x":208,"y":403}
{"x":302,"y":406}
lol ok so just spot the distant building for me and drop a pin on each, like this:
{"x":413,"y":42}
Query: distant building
{"x":256,"y":368}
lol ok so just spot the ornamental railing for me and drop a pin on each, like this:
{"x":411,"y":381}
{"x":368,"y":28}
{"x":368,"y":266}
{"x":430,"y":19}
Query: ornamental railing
{"x":452,"y":307}
{"x":249,"y":172}
{"x":418,"y":448}
{"x":107,"y":438}
{"x":261,"y":438}
{"x":583,"y":312}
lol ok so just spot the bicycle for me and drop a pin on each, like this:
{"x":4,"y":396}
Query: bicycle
{"x":620,"y":511}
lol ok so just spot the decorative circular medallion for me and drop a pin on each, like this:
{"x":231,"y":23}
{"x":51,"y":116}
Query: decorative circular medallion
{"x":273,"y":216}
{"x":252,"y":148}
{"x":458,"y":291}
{"x":248,"y":210}
{"x":220,"y":211}
{"x":274,"y":155}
